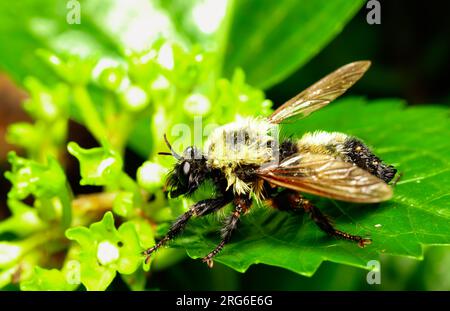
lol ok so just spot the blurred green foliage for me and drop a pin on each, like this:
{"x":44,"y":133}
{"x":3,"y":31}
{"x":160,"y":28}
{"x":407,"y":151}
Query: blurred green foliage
{"x":131,"y":71}
{"x":280,"y":36}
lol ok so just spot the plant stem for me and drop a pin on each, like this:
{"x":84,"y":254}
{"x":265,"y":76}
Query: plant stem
{"x":40,"y":238}
{"x":129,"y":184}
{"x":102,"y":201}
{"x":89,"y":113}
{"x":65,"y":197}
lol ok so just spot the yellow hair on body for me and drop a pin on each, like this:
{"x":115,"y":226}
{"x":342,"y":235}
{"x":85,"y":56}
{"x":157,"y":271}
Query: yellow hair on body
{"x":321,"y":141}
{"x":244,"y":142}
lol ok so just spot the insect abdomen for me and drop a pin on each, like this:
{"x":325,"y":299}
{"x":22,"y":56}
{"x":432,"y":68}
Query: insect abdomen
{"x":347,"y":148}
{"x":363,"y":157}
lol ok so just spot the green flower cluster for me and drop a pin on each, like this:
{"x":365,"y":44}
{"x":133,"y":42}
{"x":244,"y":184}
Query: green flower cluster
{"x":58,"y":240}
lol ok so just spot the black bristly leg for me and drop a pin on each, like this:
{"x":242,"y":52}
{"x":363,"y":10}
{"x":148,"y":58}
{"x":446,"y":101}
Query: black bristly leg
{"x":291,"y":200}
{"x":201,"y":208}
{"x":324,"y":223}
{"x":242,"y":204}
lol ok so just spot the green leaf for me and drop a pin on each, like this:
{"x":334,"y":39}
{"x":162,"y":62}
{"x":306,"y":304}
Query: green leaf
{"x":414,"y":140}
{"x":49,"y":104}
{"x":29,"y":177}
{"x":44,"y":25}
{"x":271,"y":39}
{"x":24,"y":134}
{"x":74,"y":69}
{"x":105,"y":250}
{"x":49,"y":107}
{"x":123,"y":205}
{"x":107,"y":27}
{"x":23,"y":221}
{"x":43,"y":279}
{"x":98,"y":166}
{"x":145,"y":233}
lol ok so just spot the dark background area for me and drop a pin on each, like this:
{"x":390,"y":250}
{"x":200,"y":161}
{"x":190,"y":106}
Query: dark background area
{"x":409,"y":51}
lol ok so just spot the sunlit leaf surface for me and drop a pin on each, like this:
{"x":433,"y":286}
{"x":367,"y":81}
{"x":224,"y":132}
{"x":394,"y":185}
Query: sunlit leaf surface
{"x":415,"y":140}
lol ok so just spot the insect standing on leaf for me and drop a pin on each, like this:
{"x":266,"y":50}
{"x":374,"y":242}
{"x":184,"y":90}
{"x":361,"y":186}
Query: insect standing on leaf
{"x":245,"y":163}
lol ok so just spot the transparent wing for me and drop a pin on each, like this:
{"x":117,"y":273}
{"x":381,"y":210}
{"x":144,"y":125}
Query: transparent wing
{"x":321,"y":93}
{"x":326,"y":176}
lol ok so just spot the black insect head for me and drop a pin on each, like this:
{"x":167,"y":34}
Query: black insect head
{"x":188,"y":173}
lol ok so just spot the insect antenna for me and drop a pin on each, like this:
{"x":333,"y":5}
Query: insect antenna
{"x":173,"y":153}
{"x":164,"y":153}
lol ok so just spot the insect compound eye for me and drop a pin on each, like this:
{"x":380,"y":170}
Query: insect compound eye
{"x":186,"y":168}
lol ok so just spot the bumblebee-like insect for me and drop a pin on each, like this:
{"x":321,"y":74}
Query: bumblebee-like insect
{"x":239,"y":159}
